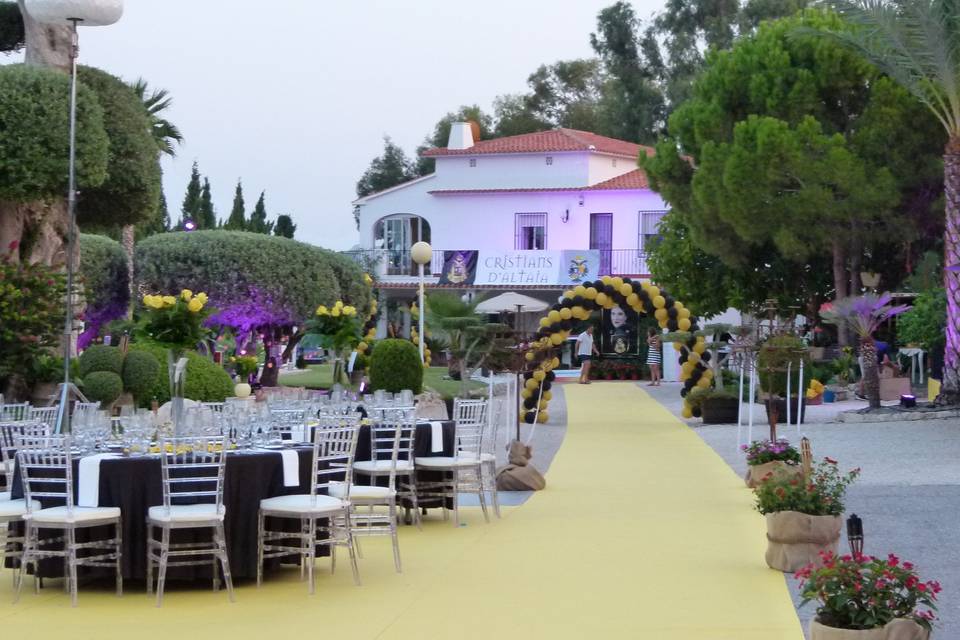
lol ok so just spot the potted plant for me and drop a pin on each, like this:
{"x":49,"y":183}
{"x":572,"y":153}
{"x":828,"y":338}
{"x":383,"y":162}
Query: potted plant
{"x":768,"y":459}
{"x":843,"y":369}
{"x":45,"y":372}
{"x":866,"y":598}
{"x":803,"y":515}
{"x":245,"y":366}
{"x":778,"y":355}
{"x":718,"y":406}
{"x":814,"y":393}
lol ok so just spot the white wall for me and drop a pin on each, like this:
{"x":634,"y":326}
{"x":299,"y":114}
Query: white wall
{"x":603,"y":167}
{"x":513,"y":171}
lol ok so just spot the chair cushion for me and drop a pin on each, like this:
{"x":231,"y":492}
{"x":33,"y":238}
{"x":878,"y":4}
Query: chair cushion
{"x":303,"y":503}
{"x":12,"y":508}
{"x":381,"y":466}
{"x":444,"y":462}
{"x":61,"y":515}
{"x":361,"y":492}
{"x":187,"y":513}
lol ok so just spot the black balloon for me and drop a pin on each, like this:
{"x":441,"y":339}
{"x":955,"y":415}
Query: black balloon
{"x":551,"y":376}
{"x":695,"y":374}
{"x":567,"y":303}
{"x":683,"y":357}
{"x":529,"y":417}
{"x":672,"y":324}
{"x":705,"y":356}
{"x":579,"y":301}
{"x":684,"y":392}
{"x":527,"y":375}
{"x":530,"y":403}
{"x":672,"y":312}
{"x":696,"y":412}
{"x":566,"y":325}
{"x":546,"y":385}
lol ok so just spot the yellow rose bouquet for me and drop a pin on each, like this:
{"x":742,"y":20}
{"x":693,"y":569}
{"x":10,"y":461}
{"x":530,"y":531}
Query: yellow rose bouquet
{"x":175,"y":321}
{"x":339,"y":327}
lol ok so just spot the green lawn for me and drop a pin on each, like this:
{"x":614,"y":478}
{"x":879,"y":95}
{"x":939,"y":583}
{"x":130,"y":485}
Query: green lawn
{"x":320,"y":376}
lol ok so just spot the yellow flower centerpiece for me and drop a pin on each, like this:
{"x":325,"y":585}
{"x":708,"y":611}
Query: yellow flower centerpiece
{"x":339,"y":327}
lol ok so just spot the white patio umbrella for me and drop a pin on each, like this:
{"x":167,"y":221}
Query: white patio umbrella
{"x":512,"y":302}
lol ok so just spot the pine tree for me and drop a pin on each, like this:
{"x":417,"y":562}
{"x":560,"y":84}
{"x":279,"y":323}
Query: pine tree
{"x":238,"y":217}
{"x":258,"y":219}
{"x":159,"y":223}
{"x":284,"y":226}
{"x":164,"y":213}
{"x":207,"y":218}
{"x":191,"y":201}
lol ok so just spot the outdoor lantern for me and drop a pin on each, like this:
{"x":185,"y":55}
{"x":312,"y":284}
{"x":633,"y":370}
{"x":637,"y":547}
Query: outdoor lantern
{"x":908,"y":401}
{"x":421,"y":252}
{"x":189,"y":225}
{"x":91,"y":13}
{"x":855,"y":535}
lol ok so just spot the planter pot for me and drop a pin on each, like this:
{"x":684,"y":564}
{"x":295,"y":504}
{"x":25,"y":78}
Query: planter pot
{"x":757,"y":472}
{"x":795,"y":539}
{"x":782,"y":410}
{"x":829,"y":396}
{"x":719,"y":410}
{"x":242,"y":390}
{"x":899,"y":629}
{"x":818,"y":399}
{"x":44,"y":394}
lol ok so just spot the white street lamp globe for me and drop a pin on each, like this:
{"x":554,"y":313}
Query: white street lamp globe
{"x":421,"y":252}
{"x":90,"y":13}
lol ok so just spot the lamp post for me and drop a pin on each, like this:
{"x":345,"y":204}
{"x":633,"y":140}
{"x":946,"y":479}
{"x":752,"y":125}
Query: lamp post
{"x":422,"y":254}
{"x":855,"y":535}
{"x":89,"y":13}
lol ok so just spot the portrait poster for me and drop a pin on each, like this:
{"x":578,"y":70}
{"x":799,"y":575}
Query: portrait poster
{"x":620,"y":332}
{"x":459,"y":267}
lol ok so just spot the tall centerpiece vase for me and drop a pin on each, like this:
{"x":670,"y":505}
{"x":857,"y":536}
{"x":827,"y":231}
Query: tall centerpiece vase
{"x":177,"y":373}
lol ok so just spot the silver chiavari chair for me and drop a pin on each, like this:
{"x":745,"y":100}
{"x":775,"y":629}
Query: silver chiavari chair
{"x":13,"y":510}
{"x":389,"y":429}
{"x":462,"y":472}
{"x":333,"y":451}
{"x":488,"y":451}
{"x":46,"y":415}
{"x":287,"y":424}
{"x":380,"y":519}
{"x":192,"y":469}
{"x":15,"y":412}
{"x":46,"y":467}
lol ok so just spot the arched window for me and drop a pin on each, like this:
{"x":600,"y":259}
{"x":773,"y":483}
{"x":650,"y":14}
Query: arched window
{"x":395,"y":234}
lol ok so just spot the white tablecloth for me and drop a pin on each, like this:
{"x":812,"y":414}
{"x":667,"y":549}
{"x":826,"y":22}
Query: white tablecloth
{"x":88,"y":479}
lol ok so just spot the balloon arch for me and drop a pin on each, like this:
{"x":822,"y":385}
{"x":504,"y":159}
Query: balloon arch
{"x":579,"y":303}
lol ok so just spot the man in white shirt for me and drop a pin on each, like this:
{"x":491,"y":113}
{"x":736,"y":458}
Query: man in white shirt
{"x":585,"y":351}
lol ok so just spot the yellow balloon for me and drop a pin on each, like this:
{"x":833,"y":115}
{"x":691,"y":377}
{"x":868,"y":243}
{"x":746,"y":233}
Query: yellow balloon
{"x":703,"y":382}
{"x":654,"y":291}
{"x":542,"y":405}
{"x":578,"y":312}
{"x":531,"y":384}
{"x":601,"y":298}
{"x":684,"y":324}
{"x":660,"y":314}
{"x":645,"y":285}
{"x":687,"y":412}
{"x":677,"y":305}
{"x":579,"y":290}
{"x":693,"y":357}
{"x":544,"y":322}
{"x":539,"y":375}
{"x":663,"y":324}
{"x":542,"y":417}
{"x":525,"y":393}
{"x":568,"y":293}
{"x":557,"y":339}
{"x":529,"y":356}
{"x":699,"y":347}
{"x":708,"y":374}
{"x":632,"y":299}
{"x":626,"y":289}
{"x":616,"y":281}
{"x":683,"y":313}
{"x":554,"y":316}
{"x":659,"y":301}
{"x":565,"y":313}
{"x":547,"y":395}
{"x":362,"y":347}
{"x":415,"y":340}
{"x":555,"y":362}
{"x":678,"y":346}
{"x":606,"y":280}
{"x":687,"y":367}
{"x":590,"y":293}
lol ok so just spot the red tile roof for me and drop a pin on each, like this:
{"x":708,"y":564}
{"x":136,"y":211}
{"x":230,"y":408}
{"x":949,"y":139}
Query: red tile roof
{"x":632,"y":180}
{"x":546,"y":141}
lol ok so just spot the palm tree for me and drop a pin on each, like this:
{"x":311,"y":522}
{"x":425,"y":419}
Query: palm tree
{"x":864,"y":315}
{"x":917,"y":44}
{"x":166,"y":135}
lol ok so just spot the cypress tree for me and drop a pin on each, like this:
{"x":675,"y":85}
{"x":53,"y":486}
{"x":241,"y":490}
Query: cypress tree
{"x":284,"y":226}
{"x":258,"y":219}
{"x":238,"y":217}
{"x":191,"y":201}
{"x":206,"y":218}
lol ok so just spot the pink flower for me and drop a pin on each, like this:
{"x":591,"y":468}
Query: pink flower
{"x":893,"y":560}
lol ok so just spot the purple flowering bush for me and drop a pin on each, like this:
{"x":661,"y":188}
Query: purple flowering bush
{"x":763,"y":451}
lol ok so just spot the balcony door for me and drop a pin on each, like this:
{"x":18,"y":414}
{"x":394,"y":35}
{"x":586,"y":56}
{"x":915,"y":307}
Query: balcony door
{"x":601,"y":238}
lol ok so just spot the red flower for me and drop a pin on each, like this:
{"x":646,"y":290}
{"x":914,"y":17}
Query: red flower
{"x":892,"y":560}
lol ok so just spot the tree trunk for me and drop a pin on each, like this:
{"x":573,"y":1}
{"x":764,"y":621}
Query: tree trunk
{"x":48,"y":45}
{"x":840,"y":282}
{"x":856,"y":259}
{"x":871,"y":377}
{"x":128,"y":239}
{"x":950,"y":389}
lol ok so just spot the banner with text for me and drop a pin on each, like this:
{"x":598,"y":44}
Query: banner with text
{"x":459,"y":267}
{"x":536,"y":267}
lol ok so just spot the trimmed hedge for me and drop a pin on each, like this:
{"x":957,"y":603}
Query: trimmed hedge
{"x":104,"y":386}
{"x":252,"y":279}
{"x":100,"y":357}
{"x":206,"y":381}
{"x":103,"y":268}
{"x":140,"y":370}
{"x":395,"y":365}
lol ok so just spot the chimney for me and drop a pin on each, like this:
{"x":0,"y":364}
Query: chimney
{"x":461,"y":136}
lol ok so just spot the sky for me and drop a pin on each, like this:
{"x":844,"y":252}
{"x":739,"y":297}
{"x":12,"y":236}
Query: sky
{"x":294,"y":96}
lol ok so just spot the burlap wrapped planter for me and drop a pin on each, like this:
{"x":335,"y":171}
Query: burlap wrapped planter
{"x":779,"y":469}
{"x":900,"y":629}
{"x":796,"y":539}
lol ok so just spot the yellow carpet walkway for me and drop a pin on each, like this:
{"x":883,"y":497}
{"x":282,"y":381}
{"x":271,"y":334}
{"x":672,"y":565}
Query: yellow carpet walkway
{"x":643,"y":532}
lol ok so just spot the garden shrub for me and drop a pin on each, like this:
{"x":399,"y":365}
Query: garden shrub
{"x":140,"y":370}
{"x":260,"y":280}
{"x":100,"y":357}
{"x":206,"y":381}
{"x":395,"y":365}
{"x":775,"y":353}
{"x":31,"y":299}
{"x":104,"y":386}
{"x":106,"y":283}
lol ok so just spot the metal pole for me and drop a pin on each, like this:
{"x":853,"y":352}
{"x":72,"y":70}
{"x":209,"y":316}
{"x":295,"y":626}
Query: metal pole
{"x":801,"y":396}
{"x":421,"y":314}
{"x":788,"y":392}
{"x":753,"y":390}
{"x":63,"y":411}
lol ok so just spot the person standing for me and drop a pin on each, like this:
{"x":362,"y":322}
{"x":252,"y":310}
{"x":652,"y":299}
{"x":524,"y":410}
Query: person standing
{"x":653,"y":357}
{"x":585,"y":351}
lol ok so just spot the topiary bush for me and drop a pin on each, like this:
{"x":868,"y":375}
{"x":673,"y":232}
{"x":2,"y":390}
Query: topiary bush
{"x":100,"y":357}
{"x":140,"y":371}
{"x":395,"y":365}
{"x":106,"y":283}
{"x":775,"y":353}
{"x":104,"y":386}
{"x":206,"y":381}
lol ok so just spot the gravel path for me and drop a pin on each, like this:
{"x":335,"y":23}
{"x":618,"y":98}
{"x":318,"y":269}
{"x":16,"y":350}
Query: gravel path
{"x":908,"y":494}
